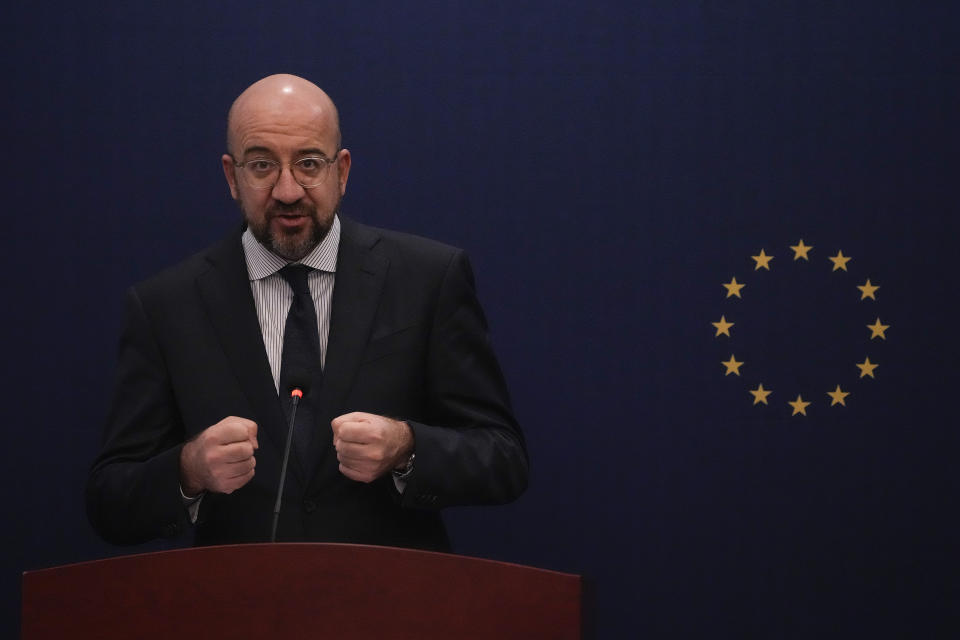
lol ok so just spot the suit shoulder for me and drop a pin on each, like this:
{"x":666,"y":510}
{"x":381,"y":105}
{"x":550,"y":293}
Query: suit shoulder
{"x":402,"y":245}
{"x":179,"y":277}
{"x":176,"y":275}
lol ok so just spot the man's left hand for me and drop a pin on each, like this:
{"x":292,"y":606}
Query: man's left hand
{"x":369,"y":445}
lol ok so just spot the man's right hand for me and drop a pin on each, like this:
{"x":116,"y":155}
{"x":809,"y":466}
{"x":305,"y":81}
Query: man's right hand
{"x":220,"y":458}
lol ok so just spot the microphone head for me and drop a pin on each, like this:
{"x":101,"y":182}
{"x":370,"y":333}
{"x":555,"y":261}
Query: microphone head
{"x":298,"y":385}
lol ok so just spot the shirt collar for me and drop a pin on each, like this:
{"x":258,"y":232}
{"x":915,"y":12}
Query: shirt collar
{"x":261,"y":262}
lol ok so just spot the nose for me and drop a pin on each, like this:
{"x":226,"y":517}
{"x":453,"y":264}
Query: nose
{"x":287,"y":189}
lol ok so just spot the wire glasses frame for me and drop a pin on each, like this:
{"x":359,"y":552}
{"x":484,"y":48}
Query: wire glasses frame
{"x":309,"y":172}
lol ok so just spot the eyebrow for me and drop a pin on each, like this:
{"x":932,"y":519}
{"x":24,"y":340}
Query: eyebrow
{"x":301,"y":152}
{"x":312,"y":152}
{"x":250,"y":150}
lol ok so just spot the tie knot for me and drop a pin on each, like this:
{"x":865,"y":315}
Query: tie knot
{"x":296,"y":277}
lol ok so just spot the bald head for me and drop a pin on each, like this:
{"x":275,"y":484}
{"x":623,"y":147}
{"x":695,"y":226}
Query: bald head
{"x":282,"y":99}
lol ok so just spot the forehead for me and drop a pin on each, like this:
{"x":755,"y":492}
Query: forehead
{"x":283,"y":125}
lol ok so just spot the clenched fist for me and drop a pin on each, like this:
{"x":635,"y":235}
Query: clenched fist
{"x":220,"y":458}
{"x":369,"y":445}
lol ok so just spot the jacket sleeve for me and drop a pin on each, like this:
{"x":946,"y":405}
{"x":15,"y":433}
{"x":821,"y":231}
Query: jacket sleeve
{"x":470,"y":449}
{"x":133,"y":489}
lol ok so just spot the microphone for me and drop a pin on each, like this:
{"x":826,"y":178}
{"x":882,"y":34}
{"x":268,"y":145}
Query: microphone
{"x":298,"y":387}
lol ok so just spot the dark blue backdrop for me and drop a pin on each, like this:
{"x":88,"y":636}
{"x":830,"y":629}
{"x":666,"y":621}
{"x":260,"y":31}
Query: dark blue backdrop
{"x":608,"y":165}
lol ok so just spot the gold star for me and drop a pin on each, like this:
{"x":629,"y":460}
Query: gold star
{"x":762,"y":260}
{"x":839,"y":261}
{"x":723,"y":327}
{"x":867,"y":290}
{"x":838,"y":396}
{"x":800,"y":251}
{"x":732,"y":366}
{"x":877,"y":330}
{"x":799,"y":406}
{"x":733,"y":288}
{"x":760,"y":394}
{"x":867,"y":367}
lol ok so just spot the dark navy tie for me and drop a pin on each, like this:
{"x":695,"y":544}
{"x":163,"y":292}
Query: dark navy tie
{"x":300,"y":363}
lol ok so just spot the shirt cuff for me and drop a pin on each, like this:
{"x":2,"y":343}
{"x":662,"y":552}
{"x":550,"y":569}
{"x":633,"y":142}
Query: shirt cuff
{"x":192,"y":504}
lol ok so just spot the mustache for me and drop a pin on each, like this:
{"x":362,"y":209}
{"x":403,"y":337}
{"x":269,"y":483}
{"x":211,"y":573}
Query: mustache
{"x":294,"y":209}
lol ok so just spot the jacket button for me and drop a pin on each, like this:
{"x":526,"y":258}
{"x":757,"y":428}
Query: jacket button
{"x":309,"y":506}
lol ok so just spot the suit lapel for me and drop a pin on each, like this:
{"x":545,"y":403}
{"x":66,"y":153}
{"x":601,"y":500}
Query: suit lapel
{"x":356,"y":295}
{"x":226,"y":295}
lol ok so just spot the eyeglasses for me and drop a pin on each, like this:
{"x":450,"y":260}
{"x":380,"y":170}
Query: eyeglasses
{"x":309,"y":172}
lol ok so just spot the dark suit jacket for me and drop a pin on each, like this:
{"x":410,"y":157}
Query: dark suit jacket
{"x":408,"y":339}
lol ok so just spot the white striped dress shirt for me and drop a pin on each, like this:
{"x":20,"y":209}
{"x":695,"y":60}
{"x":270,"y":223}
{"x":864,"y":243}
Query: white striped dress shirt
{"x":272,"y":295}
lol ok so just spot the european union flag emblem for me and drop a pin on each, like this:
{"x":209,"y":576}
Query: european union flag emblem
{"x":805,"y":332}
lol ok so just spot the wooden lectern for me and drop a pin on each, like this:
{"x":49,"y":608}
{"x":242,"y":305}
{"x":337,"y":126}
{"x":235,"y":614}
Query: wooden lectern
{"x":300,"y":591}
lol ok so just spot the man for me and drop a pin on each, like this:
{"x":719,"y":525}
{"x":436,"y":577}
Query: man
{"x":405,"y":409}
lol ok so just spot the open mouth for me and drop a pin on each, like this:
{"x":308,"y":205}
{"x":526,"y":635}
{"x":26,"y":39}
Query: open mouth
{"x":290,"y":219}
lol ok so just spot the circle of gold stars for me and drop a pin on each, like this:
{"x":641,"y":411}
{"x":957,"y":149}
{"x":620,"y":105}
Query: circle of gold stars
{"x":838,"y":396}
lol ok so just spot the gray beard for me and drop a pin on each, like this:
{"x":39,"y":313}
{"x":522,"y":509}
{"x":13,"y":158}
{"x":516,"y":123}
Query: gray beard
{"x":291,"y":248}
